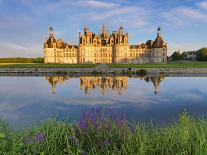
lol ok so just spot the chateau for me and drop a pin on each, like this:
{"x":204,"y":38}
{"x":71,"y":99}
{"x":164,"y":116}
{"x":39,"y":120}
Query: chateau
{"x":118,"y":84}
{"x":104,"y":48}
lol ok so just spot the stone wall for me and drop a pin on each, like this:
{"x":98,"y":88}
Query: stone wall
{"x":105,"y":69}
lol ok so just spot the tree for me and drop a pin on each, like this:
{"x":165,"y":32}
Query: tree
{"x":201,"y":54}
{"x":176,"y":56}
{"x":183,"y":56}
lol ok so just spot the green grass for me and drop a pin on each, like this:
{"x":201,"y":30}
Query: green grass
{"x":176,"y":64}
{"x":47,"y":65}
{"x":21,"y":60}
{"x":189,"y":64}
{"x":184,"y":137}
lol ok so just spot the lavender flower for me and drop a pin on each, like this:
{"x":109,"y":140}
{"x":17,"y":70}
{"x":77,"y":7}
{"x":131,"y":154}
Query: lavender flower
{"x":39,"y":137}
{"x":99,"y":118}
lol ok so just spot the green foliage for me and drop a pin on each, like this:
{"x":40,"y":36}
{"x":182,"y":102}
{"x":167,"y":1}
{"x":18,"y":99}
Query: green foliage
{"x":186,"y":136}
{"x":141,"y":72}
{"x":22,"y":60}
{"x":39,"y":65}
{"x":201,"y":54}
{"x":178,"y":56}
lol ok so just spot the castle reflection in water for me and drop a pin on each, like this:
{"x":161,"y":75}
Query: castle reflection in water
{"x":104,"y":84}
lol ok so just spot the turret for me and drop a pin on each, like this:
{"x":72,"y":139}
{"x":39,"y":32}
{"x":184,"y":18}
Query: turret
{"x":159,"y":31}
{"x":86,"y":29}
{"x":121,"y":30}
{"x":158,"y":43}
{"x":103,"y":29}
{"x":51,"y":32}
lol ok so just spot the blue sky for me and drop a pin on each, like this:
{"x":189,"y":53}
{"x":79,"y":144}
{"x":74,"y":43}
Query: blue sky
{"x":24,"y":23}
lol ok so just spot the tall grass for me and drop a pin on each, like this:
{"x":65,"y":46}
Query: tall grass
{"x":100,"y":132}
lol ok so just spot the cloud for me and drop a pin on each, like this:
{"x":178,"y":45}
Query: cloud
{"x":202,"y":5}
{"x":185,"y":46}
{"x":183,"y":15}
{"x":11,"y":49}
{"x":99,"y":4}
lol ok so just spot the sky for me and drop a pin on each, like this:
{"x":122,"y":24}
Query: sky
{"x":24,"y":23}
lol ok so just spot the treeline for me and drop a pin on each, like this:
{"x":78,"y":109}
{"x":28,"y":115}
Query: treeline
{"x":22,"y":60}
{"x":199,"y":55}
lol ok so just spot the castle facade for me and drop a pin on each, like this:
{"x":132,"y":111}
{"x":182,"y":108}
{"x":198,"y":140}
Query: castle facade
{"x":104,"y":48}
{"x":103,"y":84}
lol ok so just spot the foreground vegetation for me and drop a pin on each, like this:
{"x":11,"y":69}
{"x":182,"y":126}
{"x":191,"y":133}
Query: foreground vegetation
{"x":101,"y":132}
{"x":22,"y":60}
{"x":176,"y":64}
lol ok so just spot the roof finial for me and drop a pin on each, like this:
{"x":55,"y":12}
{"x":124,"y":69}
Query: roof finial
{"x":103,"y":28}
{"x":159,"y":31}
{"x":51,"y":31}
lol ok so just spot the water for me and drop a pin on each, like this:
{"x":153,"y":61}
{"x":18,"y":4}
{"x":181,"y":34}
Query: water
{"x":27,"y":100}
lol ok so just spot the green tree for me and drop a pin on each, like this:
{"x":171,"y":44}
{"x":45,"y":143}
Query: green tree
{"x":201,"y":54}
{"x":183,"y":56}
{"x":176,"y":56}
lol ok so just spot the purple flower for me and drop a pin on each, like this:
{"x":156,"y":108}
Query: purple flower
{"x":99,"y":118}
{"x":39,"y":137}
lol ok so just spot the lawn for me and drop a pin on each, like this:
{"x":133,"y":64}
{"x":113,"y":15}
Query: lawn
{"x":39,"y":65}
{"x":21,"y":60}
{"x":104,"y":133}
{"x":188,"y":64}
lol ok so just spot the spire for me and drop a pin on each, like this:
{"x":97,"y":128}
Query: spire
{"x":54,"y":88}
{"x":121,"y":30}
{"x":86,"y":29}
{"x":159,"y":31}
{"x":103,"y":28}
{"x":51,"y":31}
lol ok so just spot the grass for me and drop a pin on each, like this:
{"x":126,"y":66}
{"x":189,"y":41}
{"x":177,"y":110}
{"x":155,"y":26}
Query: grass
{"x":104,"y":133}
{"x":176,"y":64}
{"x":189,"y":64}
{"x":22,"y":60}
{"x":39,"y":65}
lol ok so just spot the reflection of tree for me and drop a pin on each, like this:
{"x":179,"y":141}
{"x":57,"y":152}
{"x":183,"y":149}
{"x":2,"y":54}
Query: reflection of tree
{"x":104,"y":84}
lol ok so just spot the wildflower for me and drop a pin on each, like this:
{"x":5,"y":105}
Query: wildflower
{"x":39,"y":137}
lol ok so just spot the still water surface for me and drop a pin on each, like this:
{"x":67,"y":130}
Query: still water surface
{"x":27,"y":100}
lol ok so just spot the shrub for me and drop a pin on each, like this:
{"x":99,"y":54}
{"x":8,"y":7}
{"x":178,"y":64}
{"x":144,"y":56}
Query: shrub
{"x":141,"y":72}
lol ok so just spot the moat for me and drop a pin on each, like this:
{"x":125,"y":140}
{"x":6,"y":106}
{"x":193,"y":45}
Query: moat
{"x":28,"y":100}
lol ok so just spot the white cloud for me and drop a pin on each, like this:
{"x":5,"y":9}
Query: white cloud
{"x":11,"y":49}
{"x":185,"y":46}
{"x":99,"y":4}
{"x":202,"y":5}
{"x":183,"y":15}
